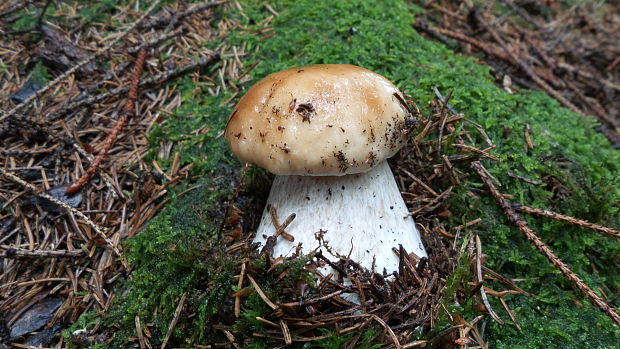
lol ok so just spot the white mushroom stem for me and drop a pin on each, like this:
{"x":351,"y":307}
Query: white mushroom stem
{"x":362,"y":214}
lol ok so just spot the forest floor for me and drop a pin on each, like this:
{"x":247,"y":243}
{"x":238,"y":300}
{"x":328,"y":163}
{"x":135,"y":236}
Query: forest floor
{"x":153,"y":248}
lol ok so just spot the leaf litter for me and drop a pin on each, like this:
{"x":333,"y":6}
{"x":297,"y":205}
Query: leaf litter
{"x":51,"y":145}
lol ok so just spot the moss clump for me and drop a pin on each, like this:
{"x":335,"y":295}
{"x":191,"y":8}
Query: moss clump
{"x":40,"y":75}
{"x":171,"y":255}
{"x":578,"y":168}
{"x":206,"y":150}
{"x":178,"y":252}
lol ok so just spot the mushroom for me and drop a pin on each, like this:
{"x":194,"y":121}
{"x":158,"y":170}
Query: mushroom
{"x":326,"y":131}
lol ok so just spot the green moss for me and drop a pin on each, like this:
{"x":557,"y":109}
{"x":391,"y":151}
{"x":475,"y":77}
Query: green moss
{"x":40,"y":75}
{"x":28,"y":18}
{"x":568,"y":151}
{"x":557,"y":325}
{"x":99,"y":11}
{"x":207,"y":149}
{"x":177,"y":253}
{"x":335,"y":340}
{"x":578,"y":166}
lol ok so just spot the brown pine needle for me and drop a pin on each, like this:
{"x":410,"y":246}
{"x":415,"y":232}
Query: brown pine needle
{"x":127,"y":113}
{"x":564,"y":218}
{"x":420,"y":182}
{"x":510,"y":313}
{"x":62,"y":77}
{"x":480,"y":280}
{"x":262,"y":294}
{"x":240,"y":286}
{"x":286,"y":333}
{"x":142,"y":340}
{"x":313,"y":300}
{"x":231,"y":338}
{"x":177,"y":17}
{"x":280,"y":227}
{"x":524,"y":66}
{"x":63,"y":204}
{"x":175,"y":318}
{"x":387,"y":328}
{"x":515,"y":219}
{"x":506,"y":281}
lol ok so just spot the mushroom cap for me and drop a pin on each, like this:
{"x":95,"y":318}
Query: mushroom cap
{"x":327,"y":119}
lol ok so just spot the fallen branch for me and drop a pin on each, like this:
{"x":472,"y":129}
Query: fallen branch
{"x":564,"y":218}
{"x":127,"y":113}
{"x":515,"y":219}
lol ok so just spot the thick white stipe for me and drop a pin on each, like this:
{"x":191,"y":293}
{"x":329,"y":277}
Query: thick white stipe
{"x":363,"y":214}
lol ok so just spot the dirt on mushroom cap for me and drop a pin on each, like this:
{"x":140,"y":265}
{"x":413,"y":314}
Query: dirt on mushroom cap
{"x":329,"y":119}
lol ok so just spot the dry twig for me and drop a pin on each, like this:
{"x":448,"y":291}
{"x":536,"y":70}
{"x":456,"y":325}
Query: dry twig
{"x":127,"y":113}
{"x":565,"y":218}
{"x":515,"y":219}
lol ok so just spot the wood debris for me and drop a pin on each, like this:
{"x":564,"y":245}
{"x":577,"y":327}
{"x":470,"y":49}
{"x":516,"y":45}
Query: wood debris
{"x":71,"y":244}
{"x":572,"y":55}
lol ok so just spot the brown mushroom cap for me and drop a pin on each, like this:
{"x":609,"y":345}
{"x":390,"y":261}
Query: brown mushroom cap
{"x":329,"y":119}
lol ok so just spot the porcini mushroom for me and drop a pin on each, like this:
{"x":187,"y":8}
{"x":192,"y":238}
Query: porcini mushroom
{"x":326,"y":131}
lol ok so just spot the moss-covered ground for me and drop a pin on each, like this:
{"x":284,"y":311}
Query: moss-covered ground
{"x":580,"y":172}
